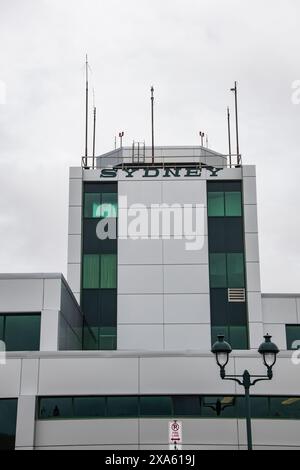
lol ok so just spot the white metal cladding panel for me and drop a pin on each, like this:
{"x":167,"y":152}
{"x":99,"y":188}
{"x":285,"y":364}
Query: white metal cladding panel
{"x":255,"y":307}
{"x":74,"y":249}
{"x":25,"y":422}
{"x":186,"y":279}
{"x":184,"y":191}
{"x":249,"y":190}
{"x":187,"y":337}
{"x":139,"y":192}
{"x":86,"y":432}
{"x":140,"y":251}
{"x":279,"y":310}
{"x":210,"y":432}
{"x":75,"y":192}
{"x":91,"y":376}
{"x":183,"y":375}
{"x":74,"y":276}
{"x":278,"y":334}
{"x":75,"y":220}
{"x":140,"y":279}
{"x":142,"y":309}
{"x":187,"y":308}
{"x":10,"y":378}
{"x":256,"y":333}
{"x":249,"y":171}
{"x":52,"y":294}
{"x":298,"y":309}
{"x":271,"y":433}
{"x":21,"y":295}
{"x":186,"y":251}
{"x":49,"y":330}
{"x":30,"y":372}
{"x":253,"y":277}
{"x":251,"y":247}
{"x":140,"y":337}
{"x":250,"y":219}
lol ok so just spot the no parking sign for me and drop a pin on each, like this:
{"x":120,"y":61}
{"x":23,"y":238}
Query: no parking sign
{"x":175,"y":435}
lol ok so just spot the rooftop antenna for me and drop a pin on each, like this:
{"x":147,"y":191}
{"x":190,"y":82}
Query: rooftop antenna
{"x":115,"y":142}
{"x":235,"y":90}
{"x":207,"y":141}
{"x":121,"y":135}
{"x":202,"y":135}
{"x":94,"y":135}
{"x":152,"y":121}
{"x":86,"y":108}
{"x":229,"y":136}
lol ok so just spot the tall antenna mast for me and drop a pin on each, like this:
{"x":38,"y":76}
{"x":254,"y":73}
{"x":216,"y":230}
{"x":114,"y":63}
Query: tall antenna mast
{"x":235,"y":90}
{"x":202,"y":135}
{"x":229,"y":137}
{"x":94,"y":135}
{"x":152,"y":122}
{"x":86,"y":108}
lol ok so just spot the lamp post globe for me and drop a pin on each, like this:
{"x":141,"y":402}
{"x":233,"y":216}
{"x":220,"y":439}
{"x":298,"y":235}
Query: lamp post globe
{"x":221,"y":350}
{"x":269,"y":352}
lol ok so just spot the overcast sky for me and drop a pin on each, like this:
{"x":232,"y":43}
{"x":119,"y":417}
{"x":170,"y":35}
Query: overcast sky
{"x":191,"y":51}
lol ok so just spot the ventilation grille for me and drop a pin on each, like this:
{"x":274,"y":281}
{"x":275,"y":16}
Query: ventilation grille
{"x":236,"y":295}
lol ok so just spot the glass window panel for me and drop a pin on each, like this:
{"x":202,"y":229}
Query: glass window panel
{"x":89,"y":407}
{"x":122,"y":407}
{"x":156,"y":406}
{"x":56,"y":408}
{"x":90,"y":307}
{"x":238,"y":337}
{"x":293,"y":336}
{"x":259,"y":407}
{"x":186,"y":406}
{"x":90,"y":338}
{"x":218,"y":407}
{"x":92,"y":205}
{"x":91,"y":272}
{"x":235,"y":270}
{"x":8,"y":419}
{"x":109,"y":206}
{"x":237,"y":313}
{"x":2,"y":319}
{"x":216,"y":204}
{"x":217,"y":234}
{"x":108,"y":308}
{"x":233,"y":204}
{"x":108,"y":271}
{"x":218,"y":270}
{"x":234,"y":234}
{"x":22,"y":332}
{"x":219,"y":306}
{"x":285,"y":407}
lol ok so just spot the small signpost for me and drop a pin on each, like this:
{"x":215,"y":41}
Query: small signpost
{"x":175,"y":435}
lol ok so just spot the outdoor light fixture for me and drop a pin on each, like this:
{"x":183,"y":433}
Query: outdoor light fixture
{"x":268,"y":350}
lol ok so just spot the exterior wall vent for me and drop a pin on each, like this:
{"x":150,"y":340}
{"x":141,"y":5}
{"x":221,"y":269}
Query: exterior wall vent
{"x":237,"y":295}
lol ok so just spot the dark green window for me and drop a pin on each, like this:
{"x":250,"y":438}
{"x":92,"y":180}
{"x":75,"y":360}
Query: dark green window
{"x":20,"y":332}
{"x":226,"y":235}
{"x":227,"y":270}
{"x":8,"y":420}
{"x":293,"y":336}
{"x":100,"y":271}
{"x":56,"y":408}
{"x":100,"y":205}
{"x":285,"y":408}
{"x":225,"y":312}
{"x":108,"y":338}
{"x":156,"y":406}
{"x":237,"y":336}
{"x":218,"y":407}
{"x":224,"y":199}
{"x":89,"y":407}
{"x":122,"y":407}
{"x":186,"y":406}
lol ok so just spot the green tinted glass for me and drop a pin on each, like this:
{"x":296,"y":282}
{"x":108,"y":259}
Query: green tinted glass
{"x":216,"y":204}
{"x":22,"y":332}
{"x":235,"y":270}
{"x":186,"y":406}
{"x":8,"y":419}
{"x":91,"y":271}
{"x":89,"y":407}
{"x":238,"y":337}
{"x":218,"y":407}
{"x":233,"y":204}
{"x":118,"y":407}
{"x":218,"y":270}
{"x":156,"y":406}
{"x":2,"y":319}
{"x":293,"y":336}
{"x":92,"y":203}
{"x":108,"y":271}
{"x":55,"y":408}
{"x":285,"y":408}
{"x":109,"y":206}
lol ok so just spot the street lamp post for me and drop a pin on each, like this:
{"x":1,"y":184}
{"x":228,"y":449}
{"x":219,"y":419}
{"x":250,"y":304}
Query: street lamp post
{"x":268,"y":351}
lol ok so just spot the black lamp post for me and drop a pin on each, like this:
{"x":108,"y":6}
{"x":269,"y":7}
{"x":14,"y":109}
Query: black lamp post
{"x":269,"y":352}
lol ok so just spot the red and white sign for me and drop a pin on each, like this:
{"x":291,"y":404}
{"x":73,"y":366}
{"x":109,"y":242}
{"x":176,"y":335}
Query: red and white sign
{"x":175,"y":433}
